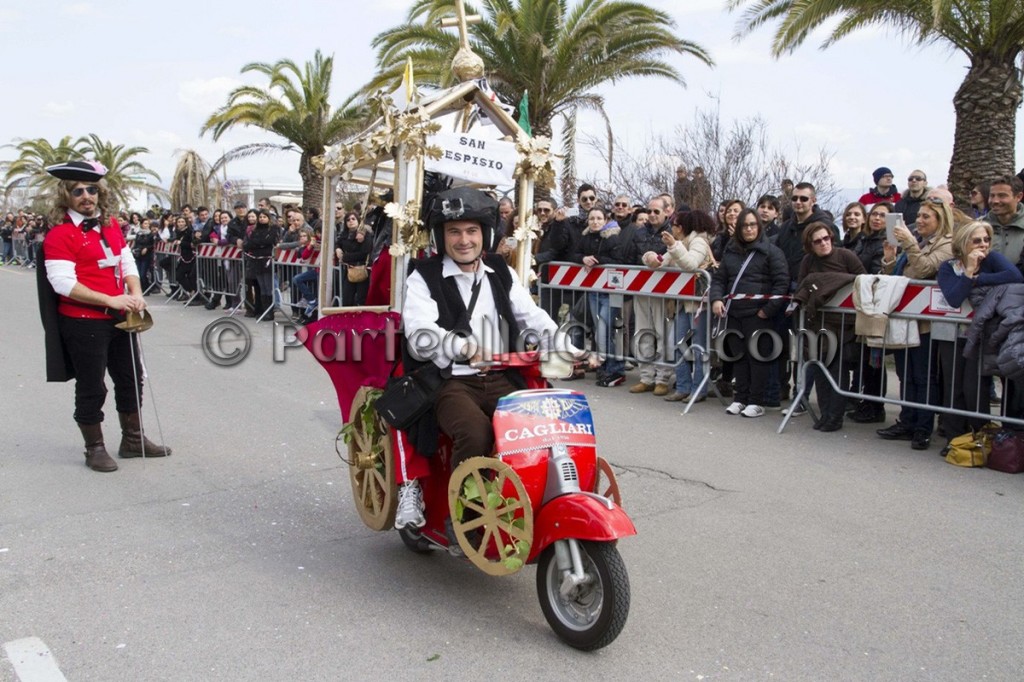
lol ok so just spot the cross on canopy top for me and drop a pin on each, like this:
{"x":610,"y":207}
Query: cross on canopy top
{"x":462,"y":21}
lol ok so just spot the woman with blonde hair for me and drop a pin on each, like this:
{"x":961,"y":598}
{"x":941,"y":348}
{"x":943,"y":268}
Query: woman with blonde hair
{"x":973,"y":265}
{"x":919,"y":260}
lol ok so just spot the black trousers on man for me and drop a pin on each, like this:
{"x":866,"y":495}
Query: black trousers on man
{"x":98,"y":348}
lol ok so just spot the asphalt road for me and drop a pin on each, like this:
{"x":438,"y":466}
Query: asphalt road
{"x":800,"y":556}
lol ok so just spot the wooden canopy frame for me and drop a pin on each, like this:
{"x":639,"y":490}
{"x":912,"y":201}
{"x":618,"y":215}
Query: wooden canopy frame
{"x":459,"y":109}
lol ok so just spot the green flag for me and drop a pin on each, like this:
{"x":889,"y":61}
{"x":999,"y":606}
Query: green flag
{"x":524,"y":114}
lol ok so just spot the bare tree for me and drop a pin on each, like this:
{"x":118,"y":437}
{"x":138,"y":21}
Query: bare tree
{"x":738,"y":159}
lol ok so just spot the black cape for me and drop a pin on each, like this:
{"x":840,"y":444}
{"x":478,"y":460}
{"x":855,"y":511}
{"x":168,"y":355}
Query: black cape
{"x":58,"y":361}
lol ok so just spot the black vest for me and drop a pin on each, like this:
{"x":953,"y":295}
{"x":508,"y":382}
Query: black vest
{"x":451,"y":309}
{"x":453,"y":315}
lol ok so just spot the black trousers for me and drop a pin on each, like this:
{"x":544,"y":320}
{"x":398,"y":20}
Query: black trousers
{"x":751,"y":374}
{"x":98,"y":348}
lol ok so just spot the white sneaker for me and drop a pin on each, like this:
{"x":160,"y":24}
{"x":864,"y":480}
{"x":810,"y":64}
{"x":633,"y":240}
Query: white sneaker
{"x":410,"y":506}
{"x":735,"y":408}
{"x":753,"y":411}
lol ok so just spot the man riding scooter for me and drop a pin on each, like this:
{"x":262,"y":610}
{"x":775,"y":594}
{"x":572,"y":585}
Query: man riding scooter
{"x":462,"y":306}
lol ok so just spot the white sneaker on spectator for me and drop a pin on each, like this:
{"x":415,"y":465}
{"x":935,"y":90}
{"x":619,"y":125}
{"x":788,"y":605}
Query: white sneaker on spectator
{"x":795,"y":410}
{"x":410,"y":506}
{"x":735,"y":408}
{"x":753,"y":411}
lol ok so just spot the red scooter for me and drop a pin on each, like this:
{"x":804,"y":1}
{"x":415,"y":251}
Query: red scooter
{"x":544,"y":497}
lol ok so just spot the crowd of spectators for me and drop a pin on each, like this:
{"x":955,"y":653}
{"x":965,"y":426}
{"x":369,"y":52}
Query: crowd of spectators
{"x":783,"y":247}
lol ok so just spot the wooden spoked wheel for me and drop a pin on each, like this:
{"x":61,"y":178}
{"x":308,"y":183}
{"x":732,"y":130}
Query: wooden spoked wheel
{"x":371,"y":468}
{"x":496,"y":530}
{"x":605,"y":483}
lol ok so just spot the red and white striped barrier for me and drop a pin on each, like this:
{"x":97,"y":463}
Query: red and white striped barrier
{"x":625,"y":279}
{"x":294,"y":257}
{"x":757,"y":297}
{"x":920,"y":298}
{"x":222,"y":252}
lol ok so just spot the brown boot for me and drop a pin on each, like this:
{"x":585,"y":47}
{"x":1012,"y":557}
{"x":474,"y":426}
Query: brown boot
{"x":96,"y":456}
{"x":133,"y":442}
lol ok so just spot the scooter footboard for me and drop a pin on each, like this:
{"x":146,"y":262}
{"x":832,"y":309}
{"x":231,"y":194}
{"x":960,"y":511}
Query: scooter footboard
{"x":584,"y":516}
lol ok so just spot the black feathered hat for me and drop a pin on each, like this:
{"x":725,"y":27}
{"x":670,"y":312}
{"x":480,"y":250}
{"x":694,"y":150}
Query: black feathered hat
{"x":79,"y":171}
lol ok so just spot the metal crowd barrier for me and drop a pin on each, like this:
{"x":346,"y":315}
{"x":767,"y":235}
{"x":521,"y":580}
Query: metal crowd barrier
{"x":219,"y":272}
{"x":922,"y":302}
{"x":161,"y":277}
{"x":20,"y":249}
{"x":563,"y":287}
{"x":286,"y":265}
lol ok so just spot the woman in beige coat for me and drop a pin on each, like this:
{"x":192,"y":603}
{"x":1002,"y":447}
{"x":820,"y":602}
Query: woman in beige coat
{"x":689,"y":249}
{"x":919,"y":260}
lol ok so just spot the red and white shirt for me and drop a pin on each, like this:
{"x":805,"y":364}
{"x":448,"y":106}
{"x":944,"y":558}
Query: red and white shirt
{"x":98,"y":260}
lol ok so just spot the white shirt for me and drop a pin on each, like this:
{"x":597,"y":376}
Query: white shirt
{"x":429,"y":341}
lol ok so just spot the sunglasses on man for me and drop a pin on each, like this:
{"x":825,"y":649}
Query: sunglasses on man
{"x":91,"y":190}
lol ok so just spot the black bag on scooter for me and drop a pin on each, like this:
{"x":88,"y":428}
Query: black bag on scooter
{"x":407,"y":398}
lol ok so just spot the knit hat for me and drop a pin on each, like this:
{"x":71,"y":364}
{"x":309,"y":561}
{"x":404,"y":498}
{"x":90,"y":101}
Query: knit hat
{"x":879,"y":172}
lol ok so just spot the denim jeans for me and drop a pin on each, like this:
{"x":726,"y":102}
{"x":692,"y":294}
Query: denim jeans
{"x":690,"y":373}
{"x":603,"y":315}
{"x":916,"y":385}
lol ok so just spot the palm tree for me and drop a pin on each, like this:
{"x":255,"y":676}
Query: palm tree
{"x":294,"y":105}
{"x":191,"y":181}
{"x":125,"y":173}
{"x":989,"y":32}
{"x":28,"y":171}
{"x":558,"y":54}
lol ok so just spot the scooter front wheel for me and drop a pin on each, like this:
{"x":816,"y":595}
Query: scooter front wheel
{"x":594,"y":611}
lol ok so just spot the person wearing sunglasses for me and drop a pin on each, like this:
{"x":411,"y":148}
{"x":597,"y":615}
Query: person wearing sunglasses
{"x":648,"y":311}
{"x":910,"y":201}
{"x":884,"y":189}
{"x":790,"y":239}
{"x":825,"y":270}
{"x":87,"y":284}
{"x":622,"y":210}
{"x":974,"y":269}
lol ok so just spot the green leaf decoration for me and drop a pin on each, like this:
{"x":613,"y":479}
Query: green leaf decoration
{"x":494,"y":500}
{"x":470,"y":491}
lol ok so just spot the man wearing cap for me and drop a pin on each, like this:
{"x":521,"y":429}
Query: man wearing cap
{"x":884,"y":189}
{"x":462,"y":306}
{"x":682,"y":189}
{"x":87,"y":267}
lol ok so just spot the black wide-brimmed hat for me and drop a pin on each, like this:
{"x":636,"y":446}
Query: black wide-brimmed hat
{"x":80,"y":171}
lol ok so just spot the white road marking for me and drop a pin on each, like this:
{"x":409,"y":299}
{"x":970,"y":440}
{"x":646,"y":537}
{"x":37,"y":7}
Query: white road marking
{"x":33,"y":661}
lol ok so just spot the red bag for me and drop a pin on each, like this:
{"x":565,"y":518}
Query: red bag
{"x":1007,"y":452}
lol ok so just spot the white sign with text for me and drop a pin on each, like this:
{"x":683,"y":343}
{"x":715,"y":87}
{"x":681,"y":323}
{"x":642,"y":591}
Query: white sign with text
{"x":468,"y":157}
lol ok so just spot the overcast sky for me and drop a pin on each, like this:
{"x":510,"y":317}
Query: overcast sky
{"x":148,"y":73}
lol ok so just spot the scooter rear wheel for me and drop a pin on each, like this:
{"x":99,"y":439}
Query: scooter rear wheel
{"x":595,"y":612}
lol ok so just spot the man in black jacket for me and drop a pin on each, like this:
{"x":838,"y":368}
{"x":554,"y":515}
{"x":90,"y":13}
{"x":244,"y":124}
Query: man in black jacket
{"x":791,"y":233}
{"x":790,"y":240}
{"x":557,"y":244}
